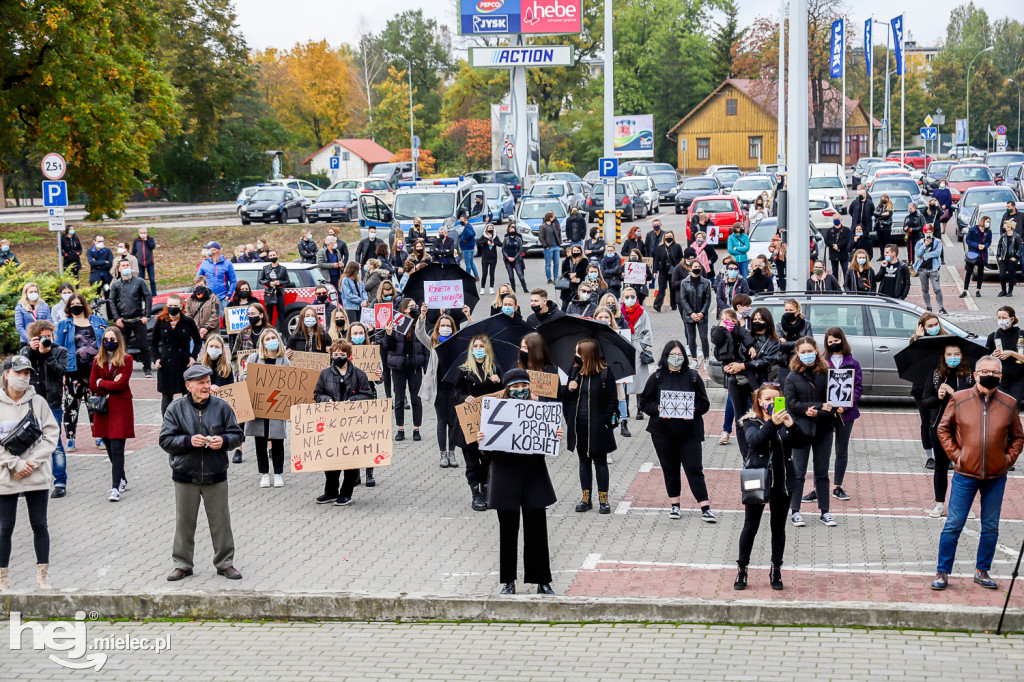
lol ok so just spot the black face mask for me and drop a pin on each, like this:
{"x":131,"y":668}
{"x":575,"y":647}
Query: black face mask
{"x":76,"y":310}
{"x":244,"y":293}
{"x":695,"y":274}
{"x":524,"y":357}
{"x":989,"y":382}
{"x":255,"y":320}
{"x":634,"y":259}
{"x":200,"y":292}
{"x":789,"y":318}
{"x":668,"y":240}
{"x":536,"y":308}
{"x":577,"y":360}
{"x":758,"y":326}
{"x":273,"y":260}
{"x":835,"y":348}
{"x":339,"y":362}
{"x":322,"y":298}
{"x":173,"y":311}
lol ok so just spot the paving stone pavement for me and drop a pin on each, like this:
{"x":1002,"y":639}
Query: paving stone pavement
{"x":416,"y":532}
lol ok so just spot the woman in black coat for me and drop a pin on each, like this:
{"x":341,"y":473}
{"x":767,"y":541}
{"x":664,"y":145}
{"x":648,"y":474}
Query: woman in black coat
{"x":634,"y":240}
{"x":676,"y":440}
{"x":488,"y":246}
{"x":519,"y":484}
{"x":574,"y":268}
{"x":71,"y":251}
{"x":479,"y":375}
{"x":806,"y":392}
{"x":861,"y":242}
{"x":593,"y":248}
{"x":310,"y":335}
{"x":534,"y":356}
{"x":274,"y":279}
{"x":592,"y":413}
{"x":176,"y":344}
{"x":666,"y":256}
{"x":406,"y":357}
{"x":837,"y":246}
{"x":771,"y":437}
{"x":793,"y":327}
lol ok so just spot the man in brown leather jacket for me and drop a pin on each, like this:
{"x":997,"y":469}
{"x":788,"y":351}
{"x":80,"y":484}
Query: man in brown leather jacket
{"x":981,"y":432}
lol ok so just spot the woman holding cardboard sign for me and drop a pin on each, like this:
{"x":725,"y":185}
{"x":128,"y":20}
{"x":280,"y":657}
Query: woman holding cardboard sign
{"x":677,"y":439}
{"x":479,"y":375}
{"x":592,"y":412}
{"x":519,"y":484}
{"x":406,"y":356}
{"x":358,"y":335}
{"x":268,"y":432}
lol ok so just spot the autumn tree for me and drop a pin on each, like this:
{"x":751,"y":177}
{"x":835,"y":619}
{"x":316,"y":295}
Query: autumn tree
{"x":425,"y":163}
{"x":472,"y":137}
{"x":391,"y":113}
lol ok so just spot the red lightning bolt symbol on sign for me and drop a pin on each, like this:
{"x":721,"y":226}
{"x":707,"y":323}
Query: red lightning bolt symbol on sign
{"x":273,"y":399}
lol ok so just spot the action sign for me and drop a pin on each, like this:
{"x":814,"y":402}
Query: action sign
{"x":840,"y":387}
{"x":237,"y":396}
{"x":634,"y":273}
{"x":236,"y":319}
{"x":676,"y":404}
{"x":443,"y":294}
{"x":526,"y":427}
{"x":527,"y":55}
{"x":273,"y":389}
{"x":346,"y":435}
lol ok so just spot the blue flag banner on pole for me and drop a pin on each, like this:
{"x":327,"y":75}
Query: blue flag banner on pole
{"x":836,"y":59}
{"x":867,"y":46}
{"x":897,"y":32}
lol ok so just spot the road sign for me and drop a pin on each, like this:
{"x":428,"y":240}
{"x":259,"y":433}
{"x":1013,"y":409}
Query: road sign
{"x":415,"y":141}
{"x":54,"y":166}
{"x":961,"y":131}
{"x":928,"y":120}
{"x":1000,"y":130}
{"x":335,"y":162}
{"x":1000,"y":143}
{"x":510,"y":150}
{"x":55,"y":219}
{"x":608,"y":168}
{"x":55,"y":193}
{"x":682,"y":145}
{"x":929,"y":133}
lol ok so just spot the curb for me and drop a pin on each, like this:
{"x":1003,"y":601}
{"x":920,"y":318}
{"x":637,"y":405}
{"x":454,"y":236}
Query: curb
{"x":242,"y":605}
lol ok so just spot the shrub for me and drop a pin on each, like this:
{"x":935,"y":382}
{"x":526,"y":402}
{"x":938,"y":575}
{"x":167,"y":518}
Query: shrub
{"x":12,"y":279}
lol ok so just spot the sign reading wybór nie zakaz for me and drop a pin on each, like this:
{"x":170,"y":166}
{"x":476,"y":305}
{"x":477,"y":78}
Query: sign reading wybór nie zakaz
{"x":533,"y":56}
{"x":531,"y":17}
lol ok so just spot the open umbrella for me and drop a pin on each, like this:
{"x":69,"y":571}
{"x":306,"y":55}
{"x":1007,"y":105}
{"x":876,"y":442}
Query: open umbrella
{"x":436,"y":272}
{"x":917,"y":361}
{"x":501,"y":329}
{"x":453,"y":352}
{"x":561,"y":336}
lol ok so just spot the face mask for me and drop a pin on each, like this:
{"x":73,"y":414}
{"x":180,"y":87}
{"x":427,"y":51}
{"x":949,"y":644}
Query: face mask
{"x":605,"y":322}
{"x":733,"y":274}
{"x":419,"y":247}
{"x":271,"y":344}
{"x":307,"y":238}
{"x":519,"y":393}
{"x":768,"y":407}
{"x":244,"y":293}
{"x":758,"y":326}
{"x":71,"y":232}
{"x":989,"y":382}
{"x":126,"y":272}
{"x":859,"y":234}
{"x":808,"y":358}
{"x":953,"y":362}
{"x":206,"y":254}
{"x":835,"y":348}
{"x":399,"y":245}
{"x":668,"y":240}
{"x":173,"y":311}
{"x":634,"y":259}
{"x":700,"y":241}
{"x":76,"y":310}
{"x":629,"y":301}
{"x":536,"y":308}
{"x":729,"y":324}
{"x":1005,"y":323}
{"x":339,"y":362}
{"x":789,"y":318}
{"x":388,"y":297}
{"x":933,"y":331}
{"x":675,"y":361}
{"x":479,"y":353}
{"x":592,"y":275}
{"x":33,"y":296}
{"x":584,"y":295}
{"x":214,"y":352}
{"x":444,"y":331}
{"x":819,"y":271}
{"x":255,"y":320}
{"x":508,"y":310}
{"x":310,"y":322}
{"x":861,"y":261}
{"x":122,"y":250}
{"x":65,"y":296}
{"x":201,"y":292}
{"x":695,"y":273}
{"x":19,"y":382}
{"x":99,"y":246}
{"x":110,"y":346}
{"x":577,"y":359}
{"x":274,"y":259}
{"x":942,"y":185}
{"x":322,"y":298}
{"x":358,"y":339}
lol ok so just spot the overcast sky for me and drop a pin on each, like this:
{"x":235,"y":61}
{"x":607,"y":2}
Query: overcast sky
{"x":338,"y":22}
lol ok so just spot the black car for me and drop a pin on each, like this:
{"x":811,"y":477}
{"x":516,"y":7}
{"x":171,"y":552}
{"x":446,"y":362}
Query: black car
{"x":861,"y":169}
{"x":691,"y":188}
{"x":666,"y":182}
{"x":502,"y":177}
{"x":272,"y":203}
{"x":627,"y":200}
{"x":333,"y":205}
{"x":937,"y":170}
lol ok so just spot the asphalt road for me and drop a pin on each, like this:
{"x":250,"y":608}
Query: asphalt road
{"x":155,"y":210}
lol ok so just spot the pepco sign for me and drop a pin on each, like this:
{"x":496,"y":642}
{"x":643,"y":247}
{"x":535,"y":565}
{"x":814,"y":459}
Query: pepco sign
{"x":520,"y":16}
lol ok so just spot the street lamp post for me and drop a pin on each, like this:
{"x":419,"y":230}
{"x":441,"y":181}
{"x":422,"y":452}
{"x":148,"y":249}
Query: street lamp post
{"x":413,"y":150}
{"x":885,"y":107}
{"x":1010,"y":80}
{"x":987,"y":49}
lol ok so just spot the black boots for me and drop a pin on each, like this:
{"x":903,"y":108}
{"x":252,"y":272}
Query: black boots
{"x":603,"y":507}
{"x":624,"y":430}
{"x":584,"y":504}
{"x":479,"y":503}
{"x":741,"y":579}
{"x":508,"y":588}
{"x":545,"y":589}
{"x":370,"y":480}
{"x":775,"y":576}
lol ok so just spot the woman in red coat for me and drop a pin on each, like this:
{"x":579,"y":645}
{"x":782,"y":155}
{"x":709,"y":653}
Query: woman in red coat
{"x":111,"y":373}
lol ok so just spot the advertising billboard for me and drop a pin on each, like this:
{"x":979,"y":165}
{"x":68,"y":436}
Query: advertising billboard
{"x":530,"y":17}
{"x":634,"y":137}
{"x":545,"y":55}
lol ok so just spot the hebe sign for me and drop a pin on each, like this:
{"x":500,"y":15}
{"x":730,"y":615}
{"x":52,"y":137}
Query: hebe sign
{"x":520,"y":16}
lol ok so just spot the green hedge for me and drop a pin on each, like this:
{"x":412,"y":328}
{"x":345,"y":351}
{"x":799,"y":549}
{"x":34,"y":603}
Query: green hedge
{"x":12,"y":279}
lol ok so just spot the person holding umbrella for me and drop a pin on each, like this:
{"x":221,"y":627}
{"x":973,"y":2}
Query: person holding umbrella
{"x":406,"y":356}
{"x":519,"y":484}
{"x":534,"y":356}
{"x":927,"y":325}
{"x":479,"y":375}
{"x":592,"y":412}
{"x":678,"y":441}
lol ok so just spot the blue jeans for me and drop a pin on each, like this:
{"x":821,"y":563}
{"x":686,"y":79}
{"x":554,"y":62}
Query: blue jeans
{"x":551,"y":255}
{"x":60,"y":460}
{"x":744,"y":266}
{"x":149,"y":271}
{"x":467,"y":256}
{"x":961,"y":495}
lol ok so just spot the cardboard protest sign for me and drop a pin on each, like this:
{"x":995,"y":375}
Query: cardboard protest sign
{"x":314,"y":361}
{"x":677,"y":404}
{"x":274,"y":389}
{"x":527,"y":427}
{"x":321,"y":312}
{"x":649,"y":262}
{"x":382,"y":314}
{"x":236,"y":319}
{"x":840,"y":387}
{"x":367,"y":317}
{"x":634,"y":273}
{"x":346,"y":435}
{"x":443,"y":294}
{"x":367,"y":358}
{"x":469,"y":418}
{"x":543,"y":384}
{"x":237,"y":396}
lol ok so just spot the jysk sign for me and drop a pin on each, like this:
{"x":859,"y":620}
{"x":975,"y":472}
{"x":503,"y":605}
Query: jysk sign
{"x":531,"y":17}
{"x":546,"y":55}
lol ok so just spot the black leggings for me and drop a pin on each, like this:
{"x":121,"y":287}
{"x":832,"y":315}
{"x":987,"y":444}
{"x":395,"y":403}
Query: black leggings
{"x":115,"y":452}
{"x":447,"y":422}
{"x":1007,"y":275}
{"x":514,"y":269}
{"x":487,"y":266}
{"x":76,"y":389}
{"x":599,"y":461}
{"x":977,"y":269}
{"x":821,"y":446}
{"x":940,"y":476}
{"x":778,"y":503}
{"x":36,"y":501}
{"x":926,"y":433}
{"x":672,"y":454}
{"x":411,"y":379}
{"x":276,"y":452}
{"x":478,"y":464}
{"x":536,"y":559}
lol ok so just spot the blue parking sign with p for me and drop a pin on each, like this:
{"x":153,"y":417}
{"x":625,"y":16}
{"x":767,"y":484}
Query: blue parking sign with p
{"x":55,"y":193}
{"x":335,"y":163}
{"x":608,"y":168}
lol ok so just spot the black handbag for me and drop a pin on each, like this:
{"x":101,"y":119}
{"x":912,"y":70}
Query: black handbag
{"x":646,"y":357}
{"x":24,"y":435}
{"x":562,"y":284}
{"x":755,"y":484}
{"x":96,"y":404}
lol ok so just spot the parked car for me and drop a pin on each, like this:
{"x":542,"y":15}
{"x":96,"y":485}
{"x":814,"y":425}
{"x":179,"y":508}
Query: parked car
{"x":271,"y":204}
{"x":333,"y":205}
{"x":762,"y":233}
{"x":996,"y":161}
{"x":301,"y":187}
{"x":376,"y":186}
{"x":651,"y":167}
{"x":966,"y":175}
{"x":627,"y":200}
{"x":877,"y":327}
{"x":691,"y":188}
{"x":822,"y":213}
{"x":1018,"y":183}
{"x":873,"y":168}
{"x":666,"y":182}
{"x":936,"y":171}
{"x":243,"y":197}
{"x":772,"y":168}
{"x":966,"y":152}
{"x":887,"y":185}
{"x":722,"y":210}
{"x":860,"y":169}
{"x":560,"y":188}
{"x":749,"y":187}
{"x":714,"y":168}
{"x":911,"y":157}
{"x":504,"y":177}
{"x":978,"y":196}
{"x":1008,"y":177}
{"x":400,"y":171}
{"x":648,"y":191}
{"x":594,"y":179}
{"x":727,"y":177}
{"x":901,"y":200}
{"x":826,"y":170}
{"x":560,"y":175}
{"x":500,"y":202}
{"x":530,"y":214}
{"x":828,"y":188}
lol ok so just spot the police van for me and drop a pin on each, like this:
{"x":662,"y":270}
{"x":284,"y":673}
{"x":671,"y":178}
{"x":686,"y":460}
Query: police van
{"x":434,"y":202}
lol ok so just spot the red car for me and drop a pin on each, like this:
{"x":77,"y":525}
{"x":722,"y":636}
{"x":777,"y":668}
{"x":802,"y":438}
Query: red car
{"x":963,"y":176}
{"x":723,"y":211}
{"x":917,"y":159}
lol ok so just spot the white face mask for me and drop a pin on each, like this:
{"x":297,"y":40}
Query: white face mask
{"x":444,"y":331}
{"x":122,"y":250}
{"x":18,"y":381}
{"x":33,"y":296}
{"x":65,"y":296}
{"x":214,"y":352}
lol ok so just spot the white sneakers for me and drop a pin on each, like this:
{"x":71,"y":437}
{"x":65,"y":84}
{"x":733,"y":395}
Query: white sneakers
{"x":122,"y":486}
{"x":265,"y":481}
{"x":492,"y":289}
{"x":278,"y":481}
{"x":724,"y":438}
{"x":115,"y":495}
{"x":938,"y":511}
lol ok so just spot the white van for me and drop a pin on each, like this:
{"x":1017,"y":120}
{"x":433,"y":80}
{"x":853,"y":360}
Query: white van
{"x":434,"y":202}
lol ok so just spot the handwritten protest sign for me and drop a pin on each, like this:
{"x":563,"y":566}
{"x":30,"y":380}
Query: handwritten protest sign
{"x":649,"y":262}
{"x":346,"y":435}
{"x":677,"y":404}
{"x":321,"y":312}
{"x":543,"y":384}
{"x":314,"y":361}
{"x":383,"y":312}
{"x":236,"y":319}
{"x":840,"y":387}
{"x":237,"y":396}
{"x":634,"y":273}
{"x":443,"y":294}
{"x":274,"y":389}
{"x":367,"y":318}
{"x":367,"y":358}
{"x":527,"y":427}
{"x":469,"y":418}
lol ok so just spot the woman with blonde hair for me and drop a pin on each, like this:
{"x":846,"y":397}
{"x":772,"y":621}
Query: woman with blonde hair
{"x":268,"y":433}
{"x":111,"y":374}
{"x":310,"y":335}
{"x":499,"y":298}
{"x":433,"y":390}
{"x":30,"y":308}
{"x":337,"y":328}
{"x":479,"y":375}
{"x":860,"y":278}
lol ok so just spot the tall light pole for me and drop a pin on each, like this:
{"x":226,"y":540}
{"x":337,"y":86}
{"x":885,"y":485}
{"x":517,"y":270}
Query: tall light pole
{"x":780,"y":157}
{"x":885,"y":107}
{"x":981,"y":52}
{"x":797,"y":234}
{"x":413,"y":149}
{"x":1010,"y":80}
{"x":609,"y":128}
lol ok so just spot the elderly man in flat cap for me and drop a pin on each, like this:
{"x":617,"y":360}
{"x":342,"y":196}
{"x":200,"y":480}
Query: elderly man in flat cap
{"x":199,"y":431}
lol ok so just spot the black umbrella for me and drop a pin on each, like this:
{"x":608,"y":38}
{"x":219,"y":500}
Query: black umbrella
{"x":452,"y":354}
{"x":437,"y":272}
{"x":918,"y":361}
{"x":499,"y":327}
{"x":561,"y":336}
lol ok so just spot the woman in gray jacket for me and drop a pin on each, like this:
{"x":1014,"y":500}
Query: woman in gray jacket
{"x":268,"y":431}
